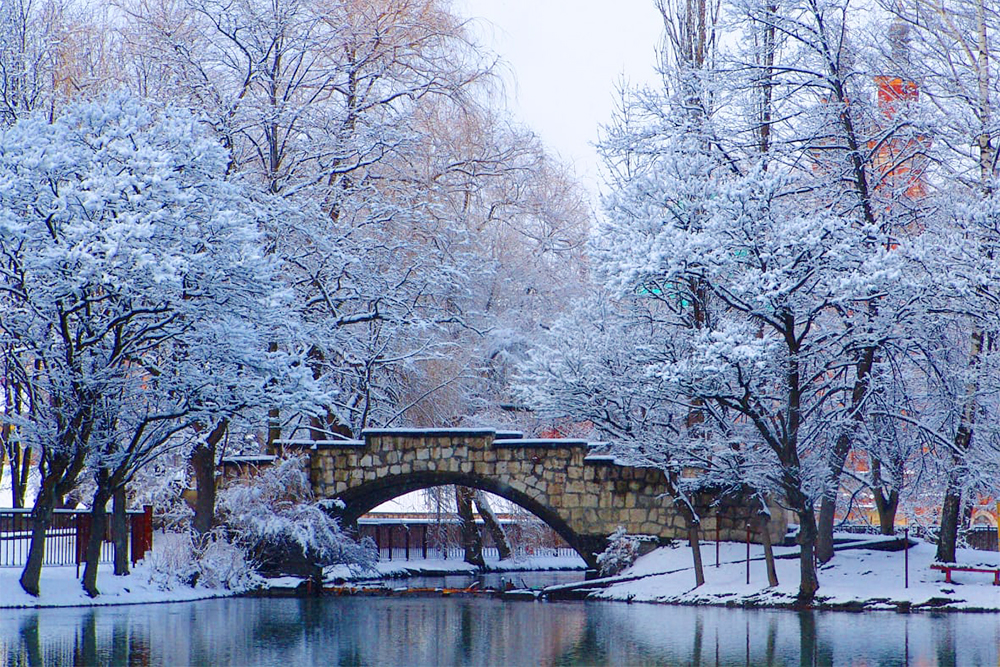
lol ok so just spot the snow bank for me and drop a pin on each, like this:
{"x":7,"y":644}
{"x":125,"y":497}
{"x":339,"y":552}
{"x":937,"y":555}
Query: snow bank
{"x":854,"y":579}
{"x":61,"y":588}
{"x":411,"y":568}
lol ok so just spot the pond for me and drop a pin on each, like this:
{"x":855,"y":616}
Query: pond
{"x":480,"y":631}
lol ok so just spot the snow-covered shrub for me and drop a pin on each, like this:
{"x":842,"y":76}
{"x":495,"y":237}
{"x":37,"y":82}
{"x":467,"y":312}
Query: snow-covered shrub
{"x":162,"y":485}
{"x":622,"y":551}
{"x":211,"y":561}
{"x":274,"y":516}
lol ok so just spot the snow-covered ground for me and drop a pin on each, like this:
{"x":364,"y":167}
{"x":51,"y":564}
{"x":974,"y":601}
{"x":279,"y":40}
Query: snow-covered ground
{"x":404,"y":568}
{"x":61,"y":588}
{"x":856,"y":578}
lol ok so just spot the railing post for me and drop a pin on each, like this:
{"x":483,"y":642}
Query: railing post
{"x":82,"y":537}
{"x":133,"y":534}
{"x":141,"y":533}
{"x":147,"y":525}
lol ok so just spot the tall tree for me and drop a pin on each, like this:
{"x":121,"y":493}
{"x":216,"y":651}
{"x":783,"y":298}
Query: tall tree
{"x":956,"y":61}
{"x":137,"y":301}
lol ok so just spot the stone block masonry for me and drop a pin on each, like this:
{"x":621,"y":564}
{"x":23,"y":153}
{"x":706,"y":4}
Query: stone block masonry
{"x":571,"y":485}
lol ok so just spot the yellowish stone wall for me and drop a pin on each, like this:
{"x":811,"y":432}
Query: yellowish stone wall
{"x":560,"y":480}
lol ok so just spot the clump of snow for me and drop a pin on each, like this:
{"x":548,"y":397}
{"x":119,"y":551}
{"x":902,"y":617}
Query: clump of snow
{"x":622,"y":551}
{"x":211,"y":561}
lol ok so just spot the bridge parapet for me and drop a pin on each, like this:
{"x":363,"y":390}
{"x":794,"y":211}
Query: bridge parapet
{"x":579,"y":491}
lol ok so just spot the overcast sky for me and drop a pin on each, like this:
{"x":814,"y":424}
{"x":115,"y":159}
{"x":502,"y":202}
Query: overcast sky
{"x":566,"y":57}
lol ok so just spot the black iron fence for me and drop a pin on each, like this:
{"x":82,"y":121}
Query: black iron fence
{"x":67,"y":535}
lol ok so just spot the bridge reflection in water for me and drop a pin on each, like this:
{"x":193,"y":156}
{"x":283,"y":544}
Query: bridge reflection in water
{"x":449,"y":631}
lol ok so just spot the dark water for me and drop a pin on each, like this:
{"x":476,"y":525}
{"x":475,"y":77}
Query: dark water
{"x":452,"y":631}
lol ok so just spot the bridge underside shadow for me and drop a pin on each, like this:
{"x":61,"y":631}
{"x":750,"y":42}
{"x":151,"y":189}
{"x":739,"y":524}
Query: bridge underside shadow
{"x":360,"y":500}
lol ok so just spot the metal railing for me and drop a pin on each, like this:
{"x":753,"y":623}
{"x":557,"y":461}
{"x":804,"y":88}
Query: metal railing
{"x":66,"y":537}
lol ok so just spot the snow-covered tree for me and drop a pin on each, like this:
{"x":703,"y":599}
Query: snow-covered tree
{"x":274,"y":516}
{"x":950,"y":46}
{"x":137,"y":300}
{"x":375,"y":118}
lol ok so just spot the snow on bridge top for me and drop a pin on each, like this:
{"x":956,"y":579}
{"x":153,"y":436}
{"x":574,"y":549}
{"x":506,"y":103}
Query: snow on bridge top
{"x":499,"y":438}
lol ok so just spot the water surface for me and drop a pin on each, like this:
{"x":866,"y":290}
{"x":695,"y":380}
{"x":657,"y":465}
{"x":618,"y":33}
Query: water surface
{"x":477,"y":631}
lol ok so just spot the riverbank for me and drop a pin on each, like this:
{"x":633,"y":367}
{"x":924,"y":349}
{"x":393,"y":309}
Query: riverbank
{"x":856,"y":579}
{"x":860,"y":578}
{"x":397,"y":569}
{"x":60,"y":587}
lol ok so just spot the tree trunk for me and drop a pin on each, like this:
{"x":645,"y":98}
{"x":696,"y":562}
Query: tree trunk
{"x":493,"y":525}
{"x":119,"y":530}
{"x":19,"y":464}
{"x":692,"y":523}
{"x":838,"y":457}
{"x":22,"y":484}
{"x":41,"y":518}
{"x":203,"y":462}
{"x":98,"y":526}
{"x":950,"y":511}
{"x":471,"y":540}
{"x":887,"y":507}
{"x":695,"y":544}
{"x":827,"y":515}
{"x":809,"y":583}
{"x":765,"y":538}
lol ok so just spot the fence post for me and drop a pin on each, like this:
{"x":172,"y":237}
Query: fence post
{"x":147,"y":525}
{"x":141,"y":533}
{"x":82,"y":537}
{"x":134,"y":536}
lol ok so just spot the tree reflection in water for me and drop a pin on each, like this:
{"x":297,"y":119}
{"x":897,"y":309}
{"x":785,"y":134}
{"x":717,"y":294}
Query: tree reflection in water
{"x":463,"y":631}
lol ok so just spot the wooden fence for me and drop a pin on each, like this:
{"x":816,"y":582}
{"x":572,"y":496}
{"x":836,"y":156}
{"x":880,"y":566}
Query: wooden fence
{"x":66,"y":538}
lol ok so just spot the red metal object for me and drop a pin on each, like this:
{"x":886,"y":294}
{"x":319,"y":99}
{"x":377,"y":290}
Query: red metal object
{"x":948,"y":569}
{"x":141,"y":530}
{"x":906,"y":557}
{"x":748,"y":554}
{"x":717,"y":522}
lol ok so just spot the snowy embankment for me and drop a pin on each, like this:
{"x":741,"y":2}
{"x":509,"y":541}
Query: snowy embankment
{"x":855,"y":579}
{"x":409,"y":568}
{"x":60,"y":587}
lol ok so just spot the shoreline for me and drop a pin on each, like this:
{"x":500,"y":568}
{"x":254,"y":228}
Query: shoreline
{"x":860,"y":578}
{"x":857,"y":580}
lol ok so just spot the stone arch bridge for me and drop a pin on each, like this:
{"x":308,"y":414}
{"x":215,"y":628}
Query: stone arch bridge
{"x":572,"y":485}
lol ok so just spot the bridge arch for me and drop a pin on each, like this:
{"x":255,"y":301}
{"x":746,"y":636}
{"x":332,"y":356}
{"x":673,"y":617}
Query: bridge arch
{"x":574,"y":486}
{"x":362,"y":499}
